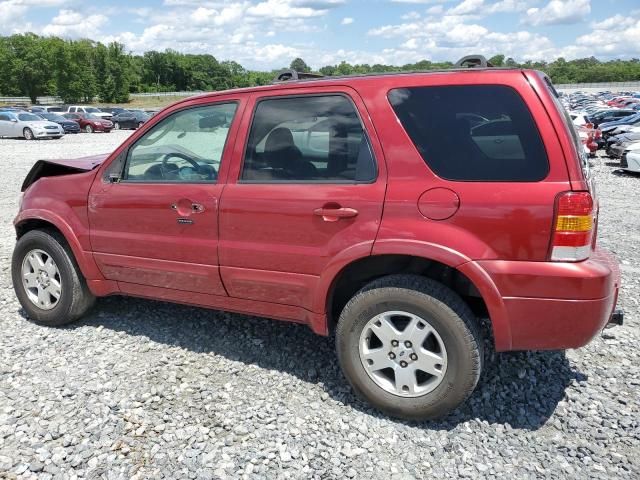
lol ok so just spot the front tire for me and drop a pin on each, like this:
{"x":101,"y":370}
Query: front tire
{"x":116,"y":126}
{"x":47,"y":280}
{"x":410,"y":346}
{"x":88,"y":129}
{"x":28,"y":134}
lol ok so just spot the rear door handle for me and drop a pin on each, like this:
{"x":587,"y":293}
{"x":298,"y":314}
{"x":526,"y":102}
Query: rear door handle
{"x":335,"y":214}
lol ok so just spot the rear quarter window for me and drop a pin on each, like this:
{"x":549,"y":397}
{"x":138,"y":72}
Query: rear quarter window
{"x":443,"y":123}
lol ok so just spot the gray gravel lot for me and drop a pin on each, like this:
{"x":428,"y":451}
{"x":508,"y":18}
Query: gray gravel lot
{"x":143,"y":389}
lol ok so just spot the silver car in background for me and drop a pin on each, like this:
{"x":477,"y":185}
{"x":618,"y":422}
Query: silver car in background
{"x":28,"y":126}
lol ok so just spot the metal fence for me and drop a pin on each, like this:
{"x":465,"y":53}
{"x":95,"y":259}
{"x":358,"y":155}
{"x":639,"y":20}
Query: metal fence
{"x":167,"y":94}
{"x":52,"y":99}
{"x":614,"y":87}
{"x":592,"y":87}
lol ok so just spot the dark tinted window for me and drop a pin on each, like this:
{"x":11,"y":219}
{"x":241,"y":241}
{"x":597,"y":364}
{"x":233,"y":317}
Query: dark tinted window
{"x":443,"y":124}
{"x":308,"y":139}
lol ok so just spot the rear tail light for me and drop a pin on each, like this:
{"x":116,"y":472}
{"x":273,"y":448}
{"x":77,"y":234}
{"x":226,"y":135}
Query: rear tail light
{"x":574,"y":227}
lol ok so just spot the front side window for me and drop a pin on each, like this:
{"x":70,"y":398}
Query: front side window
{"x":185,"y":147}
{"x":472,"y":132}
{"x":312,"y":139}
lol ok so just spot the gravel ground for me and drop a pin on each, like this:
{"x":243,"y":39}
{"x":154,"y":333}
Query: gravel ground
{"x":145,"y":389}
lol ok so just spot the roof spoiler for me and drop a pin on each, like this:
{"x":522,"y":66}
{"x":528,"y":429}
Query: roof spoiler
{"x":473,"y":61}
{"x":288,"y":75}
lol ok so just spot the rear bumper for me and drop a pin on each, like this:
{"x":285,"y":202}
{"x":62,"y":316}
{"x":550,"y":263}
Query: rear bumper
{"x":555,"y":305}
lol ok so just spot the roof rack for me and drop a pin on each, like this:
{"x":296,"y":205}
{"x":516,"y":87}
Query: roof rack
{"x":473,"y":61}
{"x":290,"y":74}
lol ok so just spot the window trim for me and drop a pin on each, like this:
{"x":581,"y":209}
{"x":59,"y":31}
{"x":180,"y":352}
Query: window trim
{"x":426,"y":162}
{"x":264,"y":98}
{"x":126,"y":152}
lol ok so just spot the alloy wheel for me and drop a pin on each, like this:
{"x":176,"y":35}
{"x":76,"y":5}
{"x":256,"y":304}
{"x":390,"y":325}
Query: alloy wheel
{"x":403,"y":354}
{"x":41,"y":279}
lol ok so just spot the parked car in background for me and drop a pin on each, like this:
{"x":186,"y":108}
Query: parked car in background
{"x":90,"y":123}
{"x":45,"y":108}
{"x":399,"y":238}
{"x":113,"y":110}
{"x":609,"y":127}
{"x":86,"y":109}
{"x":28,"y":125}
{"x":630,"y":160}
{"x":129,"y":120}
{"x":609,"y":115}
{"x":69,"y":126}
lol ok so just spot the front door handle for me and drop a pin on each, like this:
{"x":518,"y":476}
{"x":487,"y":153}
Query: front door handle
{"x":186,"y":207}
{"x":335,"y":214}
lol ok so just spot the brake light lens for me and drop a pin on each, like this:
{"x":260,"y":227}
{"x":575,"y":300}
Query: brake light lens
{"x":573,"y":228}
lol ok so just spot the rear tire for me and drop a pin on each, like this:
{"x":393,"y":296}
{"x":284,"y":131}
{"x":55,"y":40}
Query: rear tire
{"x":28,"y":134}
{"x":47,"y":280}
{"x":140,"y":124}
{"x":451,"y":351}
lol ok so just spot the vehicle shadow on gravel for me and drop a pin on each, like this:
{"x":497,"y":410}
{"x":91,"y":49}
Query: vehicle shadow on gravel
{"x":517,"y":389}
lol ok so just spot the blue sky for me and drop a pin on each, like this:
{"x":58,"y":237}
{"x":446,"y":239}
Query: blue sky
{"x":265,"y":34}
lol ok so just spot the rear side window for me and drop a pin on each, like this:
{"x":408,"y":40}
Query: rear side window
{"x":472,"y":132}
{"x":308,"y":139}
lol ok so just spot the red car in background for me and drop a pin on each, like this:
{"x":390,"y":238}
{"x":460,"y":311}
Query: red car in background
{"x":618,"y":101}
{"x":90,"y":123}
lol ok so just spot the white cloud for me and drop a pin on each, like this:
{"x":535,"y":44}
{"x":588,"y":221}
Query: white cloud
{"x":481,"y":8}
{"x":12,"y":13}
{"x":71,"y":23}
{"x":559,"y":12}
{"x":466,"y":7}
{"x":290,"y":9}
{"x":422,"y":2}
{"x":413,"y":15}
{"x":600,"y":41}
{"x":346,"y":21}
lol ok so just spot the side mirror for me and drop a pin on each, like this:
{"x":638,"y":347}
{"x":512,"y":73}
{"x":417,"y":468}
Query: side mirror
{"x":14,"y":120}
{"x":114,"y":178}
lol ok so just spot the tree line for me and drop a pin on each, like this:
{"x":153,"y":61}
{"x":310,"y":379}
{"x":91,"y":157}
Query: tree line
{"x":82,"y":70}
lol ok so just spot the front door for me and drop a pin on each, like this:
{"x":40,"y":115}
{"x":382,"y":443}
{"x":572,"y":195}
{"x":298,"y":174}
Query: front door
{"x":306,"y":190}
{"x":154,"y":215}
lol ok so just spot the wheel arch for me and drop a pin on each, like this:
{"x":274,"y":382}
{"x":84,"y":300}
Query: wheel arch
{"x":27,"y":222}
{"x":466,"y":278}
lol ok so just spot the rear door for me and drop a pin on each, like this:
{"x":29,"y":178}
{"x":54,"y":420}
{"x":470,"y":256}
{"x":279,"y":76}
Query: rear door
{"x":6,"y":125}
{"x":308,"y":187}
{"x":157,"y":225}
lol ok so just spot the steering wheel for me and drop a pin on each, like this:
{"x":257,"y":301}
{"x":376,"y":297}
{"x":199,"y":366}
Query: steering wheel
{"x":196,"y":166}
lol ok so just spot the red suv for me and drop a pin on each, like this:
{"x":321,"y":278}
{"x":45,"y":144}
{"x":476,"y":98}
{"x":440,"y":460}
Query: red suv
{"x":394,"y":210}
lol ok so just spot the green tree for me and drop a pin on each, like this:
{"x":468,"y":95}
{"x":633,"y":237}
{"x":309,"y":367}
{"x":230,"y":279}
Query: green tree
{"x":29,"y":65}
{"x":299,"y":65}
{"x":497,"y":60}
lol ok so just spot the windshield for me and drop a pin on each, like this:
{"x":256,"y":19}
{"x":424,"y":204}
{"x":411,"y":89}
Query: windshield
{"x":91,"y":116}
{"x":28,"y":117}
{"x":92,"y":110}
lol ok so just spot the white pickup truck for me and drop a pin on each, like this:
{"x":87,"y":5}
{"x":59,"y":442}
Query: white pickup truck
{"x":86,"y":109}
